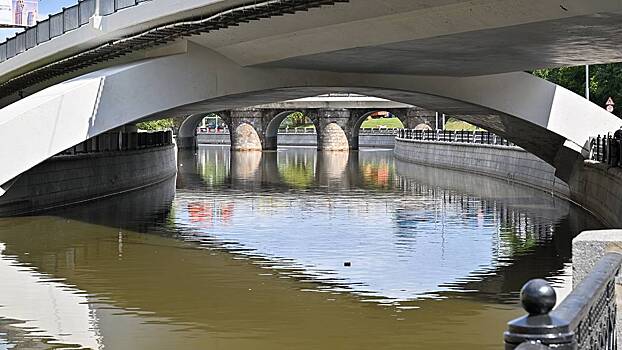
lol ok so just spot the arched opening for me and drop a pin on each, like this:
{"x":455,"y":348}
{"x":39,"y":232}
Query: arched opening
{"x":375,"y":129}
{"x":295,"y":127}
{"x":381,"y":120}
{"x":202,"y":128}
{"x":212,"y":123}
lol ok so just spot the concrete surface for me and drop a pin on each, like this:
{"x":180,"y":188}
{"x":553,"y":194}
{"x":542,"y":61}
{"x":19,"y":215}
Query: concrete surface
{"x":409,"y":36}
{"x":546,"y":120}
{"x":65,"y":180}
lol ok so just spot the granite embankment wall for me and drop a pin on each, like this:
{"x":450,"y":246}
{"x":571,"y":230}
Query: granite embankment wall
{"x":380,"y":140}
{"x":512,"y":164}
{"x":598,"y":188}
{"x":70,"y":179}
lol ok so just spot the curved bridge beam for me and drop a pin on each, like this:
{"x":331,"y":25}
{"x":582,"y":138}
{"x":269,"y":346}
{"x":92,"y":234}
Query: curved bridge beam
{"x":545,"y":119}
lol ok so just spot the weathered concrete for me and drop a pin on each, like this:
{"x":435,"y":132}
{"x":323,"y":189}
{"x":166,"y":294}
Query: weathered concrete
{"x":66,"y":180}
{"x":508,"y":163}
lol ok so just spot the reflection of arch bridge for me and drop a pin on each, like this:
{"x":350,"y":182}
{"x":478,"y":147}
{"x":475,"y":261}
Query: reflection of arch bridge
{"x":166,"y":58}
{"x":337,"y":119}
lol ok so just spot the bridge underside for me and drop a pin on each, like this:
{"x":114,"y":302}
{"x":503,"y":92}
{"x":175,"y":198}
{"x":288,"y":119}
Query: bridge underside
{"x":545,"y":119}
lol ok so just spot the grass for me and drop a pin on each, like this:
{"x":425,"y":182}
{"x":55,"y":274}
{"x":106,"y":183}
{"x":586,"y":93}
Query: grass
{"x":455,"y":124}
{"x":382,"y":122}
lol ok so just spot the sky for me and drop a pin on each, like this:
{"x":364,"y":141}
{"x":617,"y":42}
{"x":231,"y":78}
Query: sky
{"x":46,"y":7}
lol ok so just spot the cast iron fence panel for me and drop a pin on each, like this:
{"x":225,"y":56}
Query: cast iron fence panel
{"x":86,"y":9}
{"x":31,"y":37}
{"x":56,"y":25}
{"x":71,"y":18}
{"x":20,"y":43}
{"x":585,"y":320}
{"x":43,"y":31}
{"x":121,"y":4}
{"x":459,"y":136}
{"x":10,"y":47}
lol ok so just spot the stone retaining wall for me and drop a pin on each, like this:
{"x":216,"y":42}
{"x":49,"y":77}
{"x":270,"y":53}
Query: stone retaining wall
{"x":512,"y":164}
{"x":365,"y":140}
{"x":65,"y":180}
{"x":598,"y":188}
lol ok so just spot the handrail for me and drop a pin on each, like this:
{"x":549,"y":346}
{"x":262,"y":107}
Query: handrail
{"x":57,"y":24}
{"x":586,"y":319}
{"x":159,"y":35}
{"x":458,"y":136}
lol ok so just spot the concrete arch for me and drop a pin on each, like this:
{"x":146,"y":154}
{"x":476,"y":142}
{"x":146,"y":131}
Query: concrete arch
{"x":543,"y":118}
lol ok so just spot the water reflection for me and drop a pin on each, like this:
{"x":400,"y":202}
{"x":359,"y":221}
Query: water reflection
{"x":447,"y":231}
{"x":249,"y":253}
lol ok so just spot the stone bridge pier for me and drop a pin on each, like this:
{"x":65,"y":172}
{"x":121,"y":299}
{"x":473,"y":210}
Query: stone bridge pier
{"x":247,"y":128}
{"x":334,"y":129}
{"x":419,"y":118}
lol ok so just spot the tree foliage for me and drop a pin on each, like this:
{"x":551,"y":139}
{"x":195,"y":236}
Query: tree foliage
{"x":605,"y":81}
{"x":295,"y":119}
{"x":156,"y":125}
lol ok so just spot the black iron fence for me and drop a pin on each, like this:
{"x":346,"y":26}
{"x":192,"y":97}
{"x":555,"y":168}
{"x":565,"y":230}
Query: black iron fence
{"x":586,"y":319}
{"x":606,"y":149}
{"x":122,"y":141}
{"x":462,"y":136}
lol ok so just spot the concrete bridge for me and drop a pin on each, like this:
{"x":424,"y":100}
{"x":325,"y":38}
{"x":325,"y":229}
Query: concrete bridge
{"x":337,"y":120}
{"x":94,"y":67}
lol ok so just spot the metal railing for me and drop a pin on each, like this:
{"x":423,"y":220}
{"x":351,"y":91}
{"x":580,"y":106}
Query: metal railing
{"x":586,"y":319}
{"x":68,"y":19}
{"x":606,"y":149}
{"x":151,"y":37}
{"x":121,"y":141}
{"x":297,"y":130}
{"x":459,"y":136}
{"x":379,"y":131}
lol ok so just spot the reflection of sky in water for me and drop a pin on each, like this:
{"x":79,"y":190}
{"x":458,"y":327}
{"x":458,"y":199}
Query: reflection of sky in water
{"x":50,"y":309}
{"x":400,"y":245}
{"x":395,"y":252}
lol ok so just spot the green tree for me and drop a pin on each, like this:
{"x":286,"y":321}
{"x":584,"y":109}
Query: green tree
{"x":156,"y":125}
{"x":605,"y":82}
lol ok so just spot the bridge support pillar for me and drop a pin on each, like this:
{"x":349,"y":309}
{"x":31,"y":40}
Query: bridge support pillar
{"x":247,"y":129}
{"x":419,"y":118}
{"x":334,"y":130}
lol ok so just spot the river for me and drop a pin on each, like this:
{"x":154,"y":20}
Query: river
{"x":285,"y":250}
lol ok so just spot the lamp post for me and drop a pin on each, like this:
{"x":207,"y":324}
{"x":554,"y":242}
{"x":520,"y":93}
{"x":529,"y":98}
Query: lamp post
{"x":587,"y":82}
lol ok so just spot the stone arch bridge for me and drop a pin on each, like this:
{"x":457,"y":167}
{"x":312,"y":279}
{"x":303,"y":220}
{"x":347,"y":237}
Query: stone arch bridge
{"x":337,"y":120}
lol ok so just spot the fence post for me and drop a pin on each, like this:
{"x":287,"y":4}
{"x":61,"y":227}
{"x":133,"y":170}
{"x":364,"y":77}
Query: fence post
{"x":538,"y":298}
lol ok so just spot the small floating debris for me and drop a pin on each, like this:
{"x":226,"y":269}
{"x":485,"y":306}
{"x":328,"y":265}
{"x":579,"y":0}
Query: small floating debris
{"x":347,"y":264}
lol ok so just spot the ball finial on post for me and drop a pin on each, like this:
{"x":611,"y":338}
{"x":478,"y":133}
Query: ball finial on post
{"x":538,"y":297}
